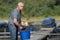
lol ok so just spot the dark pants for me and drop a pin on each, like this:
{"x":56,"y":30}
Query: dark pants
{"x":13,"y":32}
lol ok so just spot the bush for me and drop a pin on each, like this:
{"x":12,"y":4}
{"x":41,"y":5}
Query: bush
{"x":32,"y":8}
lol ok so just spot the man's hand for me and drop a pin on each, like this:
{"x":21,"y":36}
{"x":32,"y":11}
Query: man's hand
{"x":20,"y":27}
{"x":16,"y":23}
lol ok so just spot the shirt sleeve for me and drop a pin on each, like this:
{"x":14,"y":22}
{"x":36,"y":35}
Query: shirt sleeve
{"x":14,"y":14}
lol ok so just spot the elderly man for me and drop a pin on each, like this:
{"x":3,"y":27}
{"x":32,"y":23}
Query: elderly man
{"x":15,"y":20}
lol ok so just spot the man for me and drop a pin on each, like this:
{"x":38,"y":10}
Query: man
{"x":15,"y":20}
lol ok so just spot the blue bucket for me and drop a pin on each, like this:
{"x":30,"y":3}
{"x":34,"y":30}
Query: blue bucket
{"x":25,"y":35}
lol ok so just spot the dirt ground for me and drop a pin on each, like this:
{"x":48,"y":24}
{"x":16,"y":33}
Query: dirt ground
{"x":7,"y":39}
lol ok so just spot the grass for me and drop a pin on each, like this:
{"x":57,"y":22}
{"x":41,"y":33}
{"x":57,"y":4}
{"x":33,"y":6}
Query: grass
{"x":35,"y":19}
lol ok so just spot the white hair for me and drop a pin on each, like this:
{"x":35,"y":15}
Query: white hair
{"x":20,"y":3}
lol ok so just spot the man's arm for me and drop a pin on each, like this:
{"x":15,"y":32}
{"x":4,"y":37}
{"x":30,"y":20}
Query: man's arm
{"x":16,"y":23}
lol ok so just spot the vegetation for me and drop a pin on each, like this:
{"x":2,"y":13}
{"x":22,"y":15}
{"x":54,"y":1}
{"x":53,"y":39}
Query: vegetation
{"x":32,"y":8}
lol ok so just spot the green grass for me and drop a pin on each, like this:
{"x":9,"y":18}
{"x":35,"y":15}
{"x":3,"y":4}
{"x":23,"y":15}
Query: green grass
{"x":35,"y":19}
